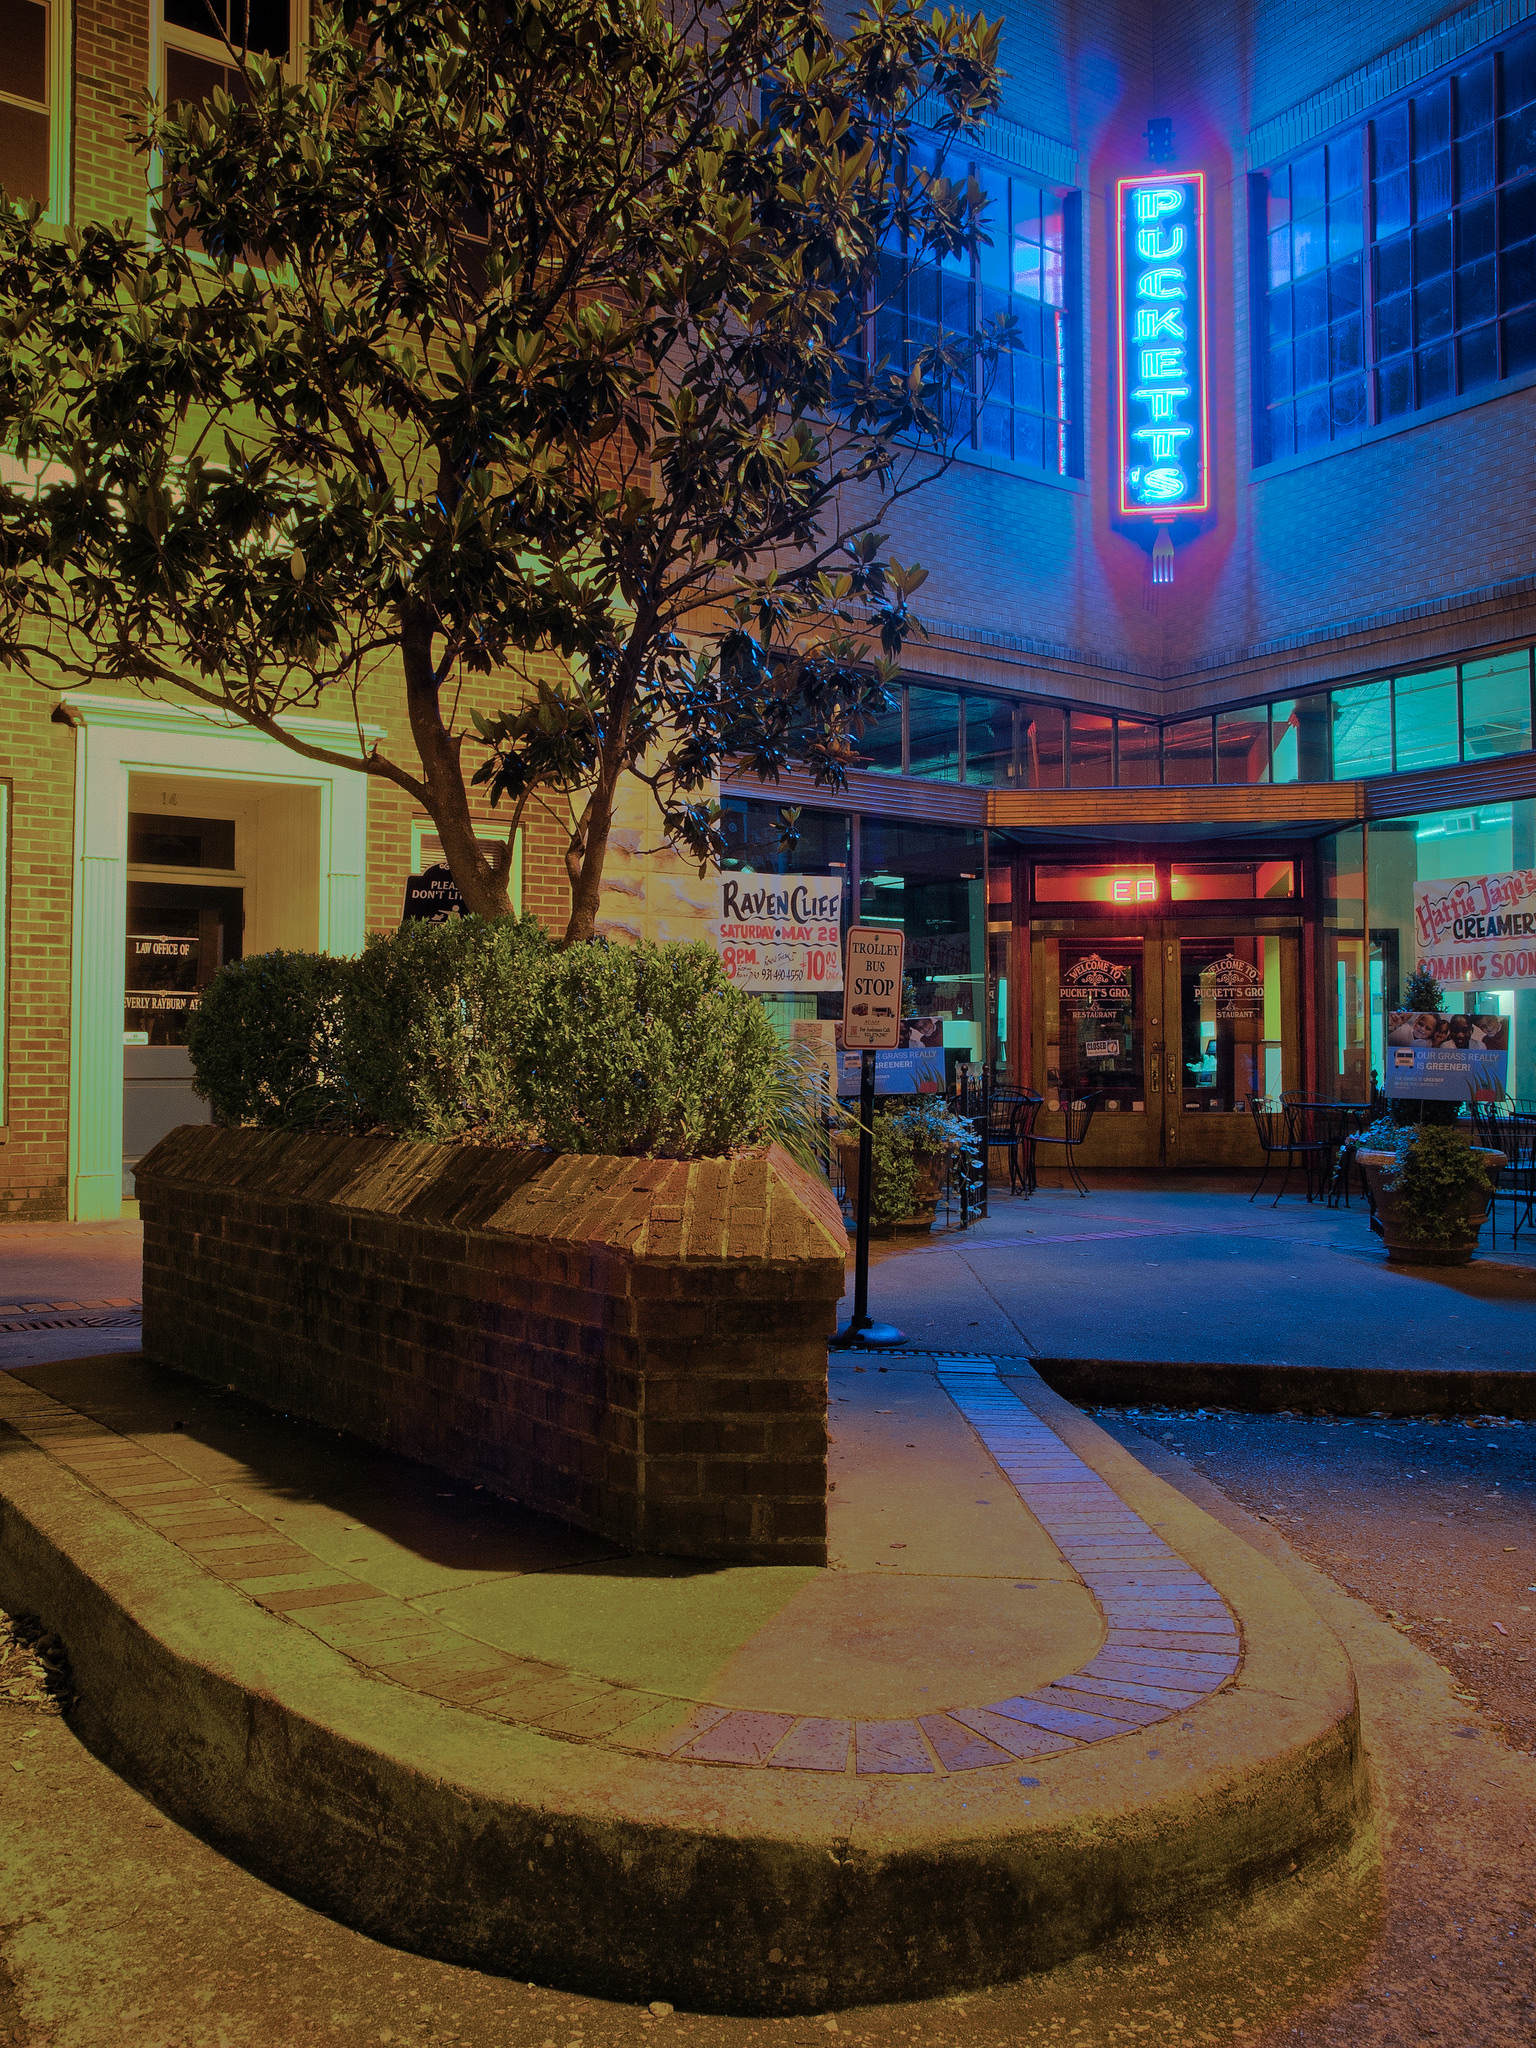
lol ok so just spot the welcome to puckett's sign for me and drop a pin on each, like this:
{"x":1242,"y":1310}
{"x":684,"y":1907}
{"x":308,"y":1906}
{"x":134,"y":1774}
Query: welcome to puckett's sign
{"x":1478,"y":931}
{"x":779,"y":933}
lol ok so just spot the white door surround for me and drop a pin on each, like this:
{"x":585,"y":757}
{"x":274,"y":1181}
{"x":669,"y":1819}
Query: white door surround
{"x":123,"y":737}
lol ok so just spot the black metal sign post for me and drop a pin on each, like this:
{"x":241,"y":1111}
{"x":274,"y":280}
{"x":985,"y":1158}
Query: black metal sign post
{"x":873,"y":981}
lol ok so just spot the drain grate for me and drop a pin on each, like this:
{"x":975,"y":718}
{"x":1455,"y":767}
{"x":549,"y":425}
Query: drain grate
{"x":92,"y":1319}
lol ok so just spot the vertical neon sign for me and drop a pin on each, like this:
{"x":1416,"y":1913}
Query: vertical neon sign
{"x":1164,"y":427}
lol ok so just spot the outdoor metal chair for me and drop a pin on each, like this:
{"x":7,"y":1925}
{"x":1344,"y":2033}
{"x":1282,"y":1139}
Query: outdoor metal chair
{"x":1319,"y":1123}
{"x":1514,"y":1135}
{"x":1010,"y":1112}
{"x":1076,"y":1120}
{"x":1285,"y":1131}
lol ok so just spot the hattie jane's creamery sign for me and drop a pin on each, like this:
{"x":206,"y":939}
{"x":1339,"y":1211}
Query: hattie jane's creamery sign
{"x":779,"y":933}
{"x":1478,"y":930}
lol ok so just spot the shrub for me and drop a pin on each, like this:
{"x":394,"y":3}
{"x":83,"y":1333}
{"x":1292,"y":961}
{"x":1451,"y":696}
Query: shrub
{"x":265,"y":1040}
{"x":647,"y":1049}
{"x":920,"y":1129}
{"x":434,"y":1021}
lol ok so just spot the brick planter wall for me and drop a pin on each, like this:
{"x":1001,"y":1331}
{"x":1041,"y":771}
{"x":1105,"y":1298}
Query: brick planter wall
{"x":637,"y":1346}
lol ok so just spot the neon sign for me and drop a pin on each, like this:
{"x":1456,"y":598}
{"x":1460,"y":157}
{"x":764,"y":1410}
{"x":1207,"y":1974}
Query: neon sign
{"x":1133,"y":889}
{"x":1164,"y":437}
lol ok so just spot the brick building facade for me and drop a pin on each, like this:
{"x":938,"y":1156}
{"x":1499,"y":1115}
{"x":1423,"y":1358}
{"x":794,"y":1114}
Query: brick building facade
{"x":1106,"y":799}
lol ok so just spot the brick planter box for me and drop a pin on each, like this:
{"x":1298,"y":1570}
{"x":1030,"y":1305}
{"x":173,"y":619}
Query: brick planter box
{"x":635,"y":1345}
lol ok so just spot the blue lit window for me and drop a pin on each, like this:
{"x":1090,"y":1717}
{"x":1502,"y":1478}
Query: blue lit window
{"x":1030,"y":411}
{"x":1399,"y":259}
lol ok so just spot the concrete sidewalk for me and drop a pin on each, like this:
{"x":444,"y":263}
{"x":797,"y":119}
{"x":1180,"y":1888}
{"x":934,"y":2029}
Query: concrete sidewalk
{"x":1003,"y":1724}
{"x":1199,"y":1276}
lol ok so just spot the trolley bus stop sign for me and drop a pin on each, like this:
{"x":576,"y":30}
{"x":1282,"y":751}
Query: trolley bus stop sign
{"x":872,"y":989}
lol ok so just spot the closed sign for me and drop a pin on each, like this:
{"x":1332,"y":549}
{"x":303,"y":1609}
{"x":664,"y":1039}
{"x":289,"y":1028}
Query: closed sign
{"x":872,"y":990}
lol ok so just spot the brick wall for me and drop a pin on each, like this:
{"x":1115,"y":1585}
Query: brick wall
{"x":637,"y":1346}
{"x":37,"y":757}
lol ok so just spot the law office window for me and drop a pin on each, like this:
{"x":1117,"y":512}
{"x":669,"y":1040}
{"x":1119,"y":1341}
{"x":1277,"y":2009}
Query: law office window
{"x":1423,"y":220}
{"x":1028,"y":411}
{"x":33,"y":119}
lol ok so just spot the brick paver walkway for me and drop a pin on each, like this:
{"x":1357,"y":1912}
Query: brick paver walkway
{"x":1168,"y":1639}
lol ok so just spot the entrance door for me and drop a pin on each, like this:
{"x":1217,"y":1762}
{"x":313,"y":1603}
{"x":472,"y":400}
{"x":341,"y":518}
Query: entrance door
{"x":1173,"y":1028}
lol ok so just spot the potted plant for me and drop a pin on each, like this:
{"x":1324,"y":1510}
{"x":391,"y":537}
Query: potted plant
{"x":911,"y":1147}
{"x":1430,"y":1188}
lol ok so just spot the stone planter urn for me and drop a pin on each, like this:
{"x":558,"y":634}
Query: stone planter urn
{"x":930,"y":1185}
{"x":1396,"y":1227}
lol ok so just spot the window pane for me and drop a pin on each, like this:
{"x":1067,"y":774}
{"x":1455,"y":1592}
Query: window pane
{"x":1479,"y":358}
{"x":880,"y":743}
{"x":24,"y":154}
{"x":1092,"y":763}
{"x":1124,"y":885}
{"x":199,"y":15}
{"x":1141,"y":746}
{"x":989,"y":741}
{"x":190,"y":78}
{"x":1040,"y":738}
{"x":1187,"y":752}
{"x":1424,"y":719}
{"x":1496,"y":706}
{"x":1432,"y":119}
{"x":1474,"y":98}
{"x":1298,"y":729}
{"x":1242,"y":745}
{"x":1362,"y":731}
{"x":24,"y":51}
{"x":1231,"y":880}
{"x":933,"y":726}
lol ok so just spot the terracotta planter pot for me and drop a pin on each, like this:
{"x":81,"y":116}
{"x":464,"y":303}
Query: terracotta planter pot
{"x":1396,"y":1226}
{"x":930,"y":1183}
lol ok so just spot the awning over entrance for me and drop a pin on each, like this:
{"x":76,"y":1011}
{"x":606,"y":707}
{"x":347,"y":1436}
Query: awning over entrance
{"x":1302,"y":810}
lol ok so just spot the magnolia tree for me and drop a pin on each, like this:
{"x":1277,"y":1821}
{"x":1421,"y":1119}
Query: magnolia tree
{"x":516,"y":346}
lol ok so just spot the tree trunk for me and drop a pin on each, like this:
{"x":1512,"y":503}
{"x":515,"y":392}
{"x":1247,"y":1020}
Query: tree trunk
{"x":482,"y":883}
{"x":587,"y":884}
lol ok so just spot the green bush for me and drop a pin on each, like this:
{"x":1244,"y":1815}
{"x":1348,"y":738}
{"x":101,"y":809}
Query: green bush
{"x":647,"y":1049}
{"x":434,"y":1022}
{"x":265,"y":1040}
{"x":485,"y":1031}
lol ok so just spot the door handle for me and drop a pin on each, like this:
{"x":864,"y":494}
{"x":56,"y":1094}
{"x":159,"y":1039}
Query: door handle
{"x":1157,"y":1068}
{"x":1173,"y":1075}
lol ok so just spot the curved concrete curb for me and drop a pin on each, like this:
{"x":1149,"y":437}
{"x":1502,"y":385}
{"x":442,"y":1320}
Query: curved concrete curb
{"x":494,"y":1846}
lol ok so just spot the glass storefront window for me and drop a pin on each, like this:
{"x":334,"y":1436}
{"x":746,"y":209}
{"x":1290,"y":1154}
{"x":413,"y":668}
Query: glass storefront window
{"x":1124,"y":886}
{"x":1345,"y":1063}
{"x":926,"y":880}
{"x":1041,"y":733}
{"x":1187,"y":753}
{"x":1242,"y":745}
{"x":1230,"y":1011}
{"x":1139,"y":746}
{"x":933,"y":734}
{"x":879,"y":744}
{"x":1094,"y":1004}
{"x":1298,"y":734}
{"x":1232,"y":880}
{"x":1496,"y":706}
{"x":1093,"y":760}
{"x":1491,"y":850}
{"x":1362,"y":731}
{"x":1425,"y":723}
{"x":989,"y":741}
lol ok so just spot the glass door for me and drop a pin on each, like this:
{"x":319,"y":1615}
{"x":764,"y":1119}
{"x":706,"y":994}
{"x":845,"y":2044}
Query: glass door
{"x":1230,"y":1006}
{"x":1170,"y":1031}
